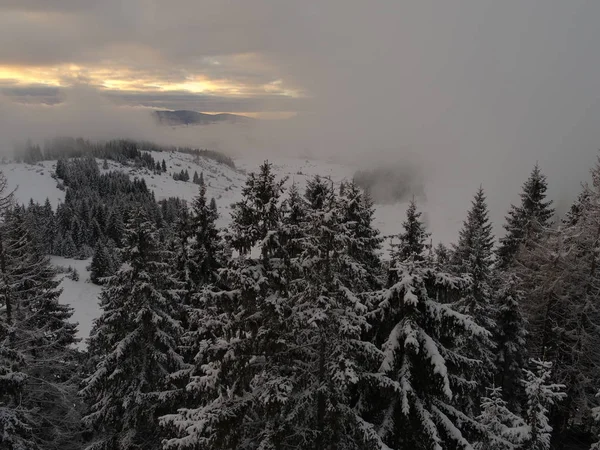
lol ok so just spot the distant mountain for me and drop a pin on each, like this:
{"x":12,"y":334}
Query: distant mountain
{"x":185,"y":117}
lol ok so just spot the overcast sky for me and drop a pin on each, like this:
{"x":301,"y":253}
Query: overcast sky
{"x":478,"y":89}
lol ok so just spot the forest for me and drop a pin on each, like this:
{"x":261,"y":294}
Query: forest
{"x":291,"y":329}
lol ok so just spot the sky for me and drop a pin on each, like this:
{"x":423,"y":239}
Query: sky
{"x":476,"y":91}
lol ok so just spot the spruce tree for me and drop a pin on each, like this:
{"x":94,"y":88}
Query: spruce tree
{"x":504,"y":430}
{"x":510,"y":336}
{"x":164,"y":166}
{"x":413,"y":240}
{"x":560,"y":278}
{"x":237,"y":317}
{"x":206,"y":246}
{"x":473,"y":256}
{"x":41,"y":336}
{"x":102,"y":264}
{"x":357,"y":216}
{"x":136,"y":343}
{"x":541,"y":396}
{"x":527,"y":221}
{"x":423,"y":374}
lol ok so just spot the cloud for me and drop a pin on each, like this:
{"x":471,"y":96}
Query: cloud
{"x":476,"y":91}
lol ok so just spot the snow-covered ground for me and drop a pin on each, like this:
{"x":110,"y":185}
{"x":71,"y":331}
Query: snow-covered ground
{"x":82,"y":295}
{"x":225,"y":185}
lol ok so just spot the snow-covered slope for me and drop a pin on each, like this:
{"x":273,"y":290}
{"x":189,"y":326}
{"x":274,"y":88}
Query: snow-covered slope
{"x":81,"y":295}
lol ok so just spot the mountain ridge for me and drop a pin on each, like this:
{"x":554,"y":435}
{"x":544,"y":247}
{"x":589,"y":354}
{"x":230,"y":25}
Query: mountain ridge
{"x":188,"y":117}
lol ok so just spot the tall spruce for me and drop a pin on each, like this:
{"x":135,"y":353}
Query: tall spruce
{"x":510,"y":336}
{"x":413,"y":238}
{"x":237,"y":328}
{"x":136,"y":342}
{"x":541,"y":396}
{"x":560,"y":277}
{"x":527,"y":221}
{"x":473,"y":257}
{"x":423,"y":374}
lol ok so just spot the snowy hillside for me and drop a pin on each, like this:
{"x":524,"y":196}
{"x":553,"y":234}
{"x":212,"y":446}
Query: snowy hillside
{"x":225,"y":185}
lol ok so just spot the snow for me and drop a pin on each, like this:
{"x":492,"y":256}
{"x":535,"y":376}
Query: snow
{"x":82,"y":295}
{"x":33,"y":181}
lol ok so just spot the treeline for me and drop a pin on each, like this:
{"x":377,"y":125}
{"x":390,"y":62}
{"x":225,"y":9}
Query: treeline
{"x":288,"y":330}
{"x":124,"y":151}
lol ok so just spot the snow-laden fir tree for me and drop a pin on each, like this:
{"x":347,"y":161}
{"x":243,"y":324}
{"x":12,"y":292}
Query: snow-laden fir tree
{"x":102,"y":264}
{"x":504,"y":430}
{"x":42,"y":334}
{"x":560,"y":277}
{"x":541,"y":395}
{"x":424,"y":375}
{"x":237,"y":324}
{"x":413,"y":238}
{"x":473,"y":256}
{"x":206,"y":247}
{"x":527,"y":221}
{"x":365,"y":244}
{"x":328,"y":360}
{"x":136,"y":343}
{"x":510,"y":336}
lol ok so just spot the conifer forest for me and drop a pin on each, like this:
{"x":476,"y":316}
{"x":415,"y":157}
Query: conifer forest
{"x":292,"y":328}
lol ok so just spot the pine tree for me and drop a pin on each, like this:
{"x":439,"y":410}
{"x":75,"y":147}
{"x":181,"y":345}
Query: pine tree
{"x":164,"y":166}
{"x":413,"y":239}
{"x":527,"y":221}
{"x":541,"y":395}
{"x":136,"y":343}
{"x":504,"y":429}
{"x":195,"y":179}
{"x":473,"y":256}
{"x":357,"y":215}
{"x":40,"y":335}
{"x":560,"y":279}
{"x":206,"y":247}
{"x":510,"y":336}
{"x":235,"y":318}
{"x":423,"y":374}
{"x":102,"y":264}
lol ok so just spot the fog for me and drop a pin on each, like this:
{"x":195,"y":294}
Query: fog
{"x":473,"y":92}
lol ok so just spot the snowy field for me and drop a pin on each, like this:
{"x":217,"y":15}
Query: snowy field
{"x":225,"y":185}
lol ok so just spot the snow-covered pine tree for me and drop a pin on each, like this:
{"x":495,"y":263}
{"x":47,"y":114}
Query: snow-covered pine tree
{"x":163,"y":166}
{"x":510,"y":336}
{"x":102,"y":264}
{"x":473,"y":256}
{"x":560,"y":277}
{"x":136,"y":342}
{"x":195,"y":179}
{"x":43,"y":335}
{"x":327,"y":360}
{"x":527,"y":221}
{"x":293,"y":221}
{"x":541,"y":395}
{"x":206,"y":246}
{"x":15,"y":421}
{"x":357,"y":215}
{"x":423,"y":373}
{"x":237,"y":328}
{"x":504,"y":429}
{"x":413,"y":240}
